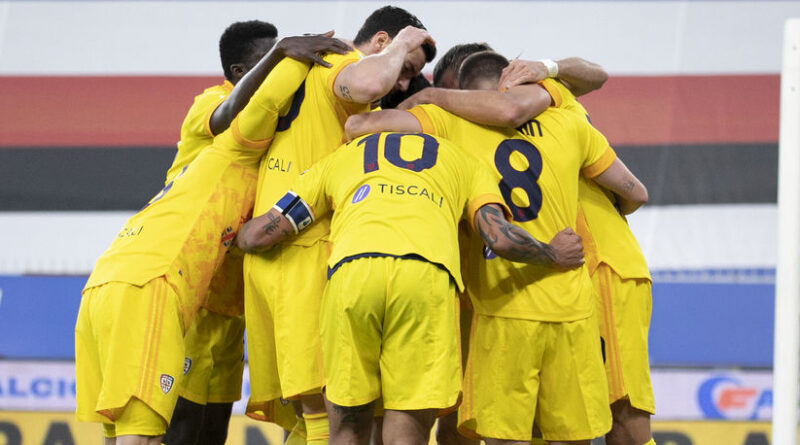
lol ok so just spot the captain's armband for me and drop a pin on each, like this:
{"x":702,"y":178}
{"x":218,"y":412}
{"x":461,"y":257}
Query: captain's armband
{"x":295,"y":210}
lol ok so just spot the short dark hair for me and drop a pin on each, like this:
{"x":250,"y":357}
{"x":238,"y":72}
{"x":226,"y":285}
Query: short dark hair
{"x":485,"y":65}
{"x":452,"y":59}
{"x":236,"y":43}
{"x":393,"y":99}
{"x":391,"y":20}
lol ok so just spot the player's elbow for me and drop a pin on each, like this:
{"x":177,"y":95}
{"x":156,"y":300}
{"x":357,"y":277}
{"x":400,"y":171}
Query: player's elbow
{"x":632,"y":201}
{"x":516,"y":113}
{"x":642,"y":197}
{"x":369,"y":90}
{"x":638,"y":195}
{"x":355,"y":125}
{"x":247,"y":240}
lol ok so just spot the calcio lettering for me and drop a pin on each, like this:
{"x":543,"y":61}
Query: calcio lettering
{"x":38,"y":388}
{"x":278,"y":164}
{"x":413,"y":190}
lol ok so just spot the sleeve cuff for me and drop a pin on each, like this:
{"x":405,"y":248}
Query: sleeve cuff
{"x":207,"y":120}
{"x":338,"y":69}
{"x":243,"y":141}
{"x":552,"y":88}
{"x":600,"y":165}
{"x":481,"y":201}
{"x":424,"y":120}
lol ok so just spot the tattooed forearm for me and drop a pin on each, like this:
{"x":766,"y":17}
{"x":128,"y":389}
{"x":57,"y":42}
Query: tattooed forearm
{"x":509,"y":241}
{"x":345,"y":92}
{"x":273,"y":226}
{"x":525,"y":248}
{"x":263,"y":232}
{"x":489,"y":216}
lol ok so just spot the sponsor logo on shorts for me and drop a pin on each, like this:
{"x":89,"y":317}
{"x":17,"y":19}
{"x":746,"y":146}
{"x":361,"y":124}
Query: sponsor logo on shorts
{"x":361,"y":193}
{"x":166,"y":382}
{"x":187,"y":365}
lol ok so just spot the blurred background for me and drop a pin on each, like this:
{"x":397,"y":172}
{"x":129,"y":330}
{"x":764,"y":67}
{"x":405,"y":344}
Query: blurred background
{"x":92,"y":95}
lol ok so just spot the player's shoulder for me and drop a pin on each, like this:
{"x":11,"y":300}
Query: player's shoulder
{"x":220,"y":91}
{"x":338,"y":61}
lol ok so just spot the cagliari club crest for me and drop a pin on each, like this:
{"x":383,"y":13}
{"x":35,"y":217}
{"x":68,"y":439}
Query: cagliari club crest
{"x":166,"y":382}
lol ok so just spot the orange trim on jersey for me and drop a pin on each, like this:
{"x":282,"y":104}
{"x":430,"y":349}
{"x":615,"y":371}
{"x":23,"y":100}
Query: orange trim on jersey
{"x":615,"y":379}
{"x":482,"y":200}
{"x":144,"y":373}
{"x":555,"y":94}
{"x":599,"y":166}
{"x":335,"y":73}
{"x":247,"y":143}
{"x":424,"y":120}
{"x":207,"y":120}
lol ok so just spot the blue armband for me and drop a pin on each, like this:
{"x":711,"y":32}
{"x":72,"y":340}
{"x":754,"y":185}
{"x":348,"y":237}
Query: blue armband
{"x":295,"y":210}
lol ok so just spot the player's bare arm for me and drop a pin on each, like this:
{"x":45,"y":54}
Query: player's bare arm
{"x":513,"y":243}
{"x":377,"y":121}
{"x":510,"y":108}
{"x":578,"y":75}
{"x":302,"y":48}
{"x":372,"y":77}
{"x":629,"y":190}
{"x":263,"y":232}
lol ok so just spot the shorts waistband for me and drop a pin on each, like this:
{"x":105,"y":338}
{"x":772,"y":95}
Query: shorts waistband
{"x":409,"y":256}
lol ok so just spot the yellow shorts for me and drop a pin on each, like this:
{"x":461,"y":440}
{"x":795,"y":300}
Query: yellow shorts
{"x":390,"y":330}
{"x":128,"y":344}
{"x":135,"y":419}
{"x":212,"y":369}
{"x":519,"y":371}
{"x":623,"y":315}
{"x":283,"y":291}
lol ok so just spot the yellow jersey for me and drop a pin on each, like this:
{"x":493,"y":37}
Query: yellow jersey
{"x":537,"y":168}
{"x":184,"y":232}
{"x":398,"y":194}
{"x":195,"y":131}
{"x":311,"y":128}
{"x":607,"y":238}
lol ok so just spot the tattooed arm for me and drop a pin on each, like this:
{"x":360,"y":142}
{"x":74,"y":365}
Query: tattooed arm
{"x":513,"y":243}
{"x":630,"y":192}
{"x":263,"y":232}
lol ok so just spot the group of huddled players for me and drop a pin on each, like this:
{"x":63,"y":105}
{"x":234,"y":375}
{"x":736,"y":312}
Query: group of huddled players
{"x":365,"y":250}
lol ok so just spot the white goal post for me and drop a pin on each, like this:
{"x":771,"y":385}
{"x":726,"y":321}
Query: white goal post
{"x":787,"y":281}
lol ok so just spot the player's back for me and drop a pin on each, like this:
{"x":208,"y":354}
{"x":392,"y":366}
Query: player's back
{"x":397,"y":194}
{"x":184,"y":231}
{"x":311,"y":127}
{"x":537,"y":169}
{"x":605,"y":232}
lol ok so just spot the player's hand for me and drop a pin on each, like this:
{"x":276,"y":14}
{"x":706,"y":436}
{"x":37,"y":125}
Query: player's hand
{"x":567,"y":248}
{"x":520,"y":72}
{"x":423,"y":96}
{"x":307,"y":48}
{"x":412,"y":38}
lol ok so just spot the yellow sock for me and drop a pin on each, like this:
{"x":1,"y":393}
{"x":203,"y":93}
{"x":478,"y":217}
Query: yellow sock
{"x":650,"y":442}
{"x":298,"y":434}
{"x":538,"y":441}
{"x":317,"y":432}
